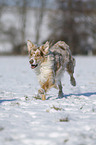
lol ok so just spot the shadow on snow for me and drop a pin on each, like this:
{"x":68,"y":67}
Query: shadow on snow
{"x":88,"y":94}
{"x":7,"y":100}
{"x":81,"y":94}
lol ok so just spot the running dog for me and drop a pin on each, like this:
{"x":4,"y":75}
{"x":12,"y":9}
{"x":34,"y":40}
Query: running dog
{"x":49,"y":63}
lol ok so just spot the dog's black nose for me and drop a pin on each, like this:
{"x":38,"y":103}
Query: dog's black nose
{"x":31,"y":61}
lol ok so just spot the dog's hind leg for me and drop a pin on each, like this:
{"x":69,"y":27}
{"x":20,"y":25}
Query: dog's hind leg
{"x":60,"y":94}
{"x":70,"y":70}
{"x":72,"y":80}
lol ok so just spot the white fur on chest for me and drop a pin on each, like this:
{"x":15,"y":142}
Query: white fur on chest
{"x":44,"y":71}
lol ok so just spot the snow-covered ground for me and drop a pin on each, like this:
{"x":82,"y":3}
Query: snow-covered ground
{"x":66,"y":121}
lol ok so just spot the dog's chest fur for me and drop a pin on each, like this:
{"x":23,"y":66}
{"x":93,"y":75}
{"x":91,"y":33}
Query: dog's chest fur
{"x":45,"y":70}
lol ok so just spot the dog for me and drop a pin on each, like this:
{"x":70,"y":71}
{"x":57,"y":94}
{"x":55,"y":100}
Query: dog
{"x":50,"y":63}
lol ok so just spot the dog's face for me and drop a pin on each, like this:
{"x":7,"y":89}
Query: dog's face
{"x":37,"y":54}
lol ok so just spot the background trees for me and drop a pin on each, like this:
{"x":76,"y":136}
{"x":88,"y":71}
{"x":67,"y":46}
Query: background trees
{"x":73,"y":21}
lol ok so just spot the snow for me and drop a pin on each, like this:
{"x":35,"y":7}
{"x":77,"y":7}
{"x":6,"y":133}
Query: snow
{"x":67,"y":121}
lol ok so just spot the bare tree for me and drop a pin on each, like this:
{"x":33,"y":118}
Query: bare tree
{"x":23,"y":20}
{"x":39,"y":19}
{"x":71,"y":23}
{"x":2,"y":4}
{"x":22,"y":9}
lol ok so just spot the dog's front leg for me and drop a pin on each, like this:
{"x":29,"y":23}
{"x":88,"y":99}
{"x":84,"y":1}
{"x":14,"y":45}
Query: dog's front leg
{"x":41,"y":94}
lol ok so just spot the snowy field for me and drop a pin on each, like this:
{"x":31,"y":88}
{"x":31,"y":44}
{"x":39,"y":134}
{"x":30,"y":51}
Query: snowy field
{"x":67,"y":121}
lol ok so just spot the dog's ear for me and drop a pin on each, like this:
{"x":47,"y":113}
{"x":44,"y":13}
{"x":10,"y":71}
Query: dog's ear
{"x":30,"y":45}
{"x":45,"y":48}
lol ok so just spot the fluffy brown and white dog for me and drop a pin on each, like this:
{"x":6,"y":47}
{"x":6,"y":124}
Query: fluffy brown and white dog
{"x":49,"y":64}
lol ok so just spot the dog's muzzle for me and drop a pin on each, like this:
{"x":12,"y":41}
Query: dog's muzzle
{"x":31,"y":61}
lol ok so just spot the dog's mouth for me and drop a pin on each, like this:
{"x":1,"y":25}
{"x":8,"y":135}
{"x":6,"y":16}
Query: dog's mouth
{"x":34,"y":66}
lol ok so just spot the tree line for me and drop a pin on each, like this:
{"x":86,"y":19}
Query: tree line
{"x":73,"y":21}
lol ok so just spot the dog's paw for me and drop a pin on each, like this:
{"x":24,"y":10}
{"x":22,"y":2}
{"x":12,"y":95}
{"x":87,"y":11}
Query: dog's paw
{"x":73,"y":82}
{"x":61,"y":95}
{"x":41,"y":94}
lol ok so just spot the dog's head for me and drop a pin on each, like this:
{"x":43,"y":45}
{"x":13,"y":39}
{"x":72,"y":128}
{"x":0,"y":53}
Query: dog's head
{"x":37,"y":54}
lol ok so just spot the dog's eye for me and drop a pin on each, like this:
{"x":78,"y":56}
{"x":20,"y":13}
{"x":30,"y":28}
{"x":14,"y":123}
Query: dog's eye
{"x":37,"y":55}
